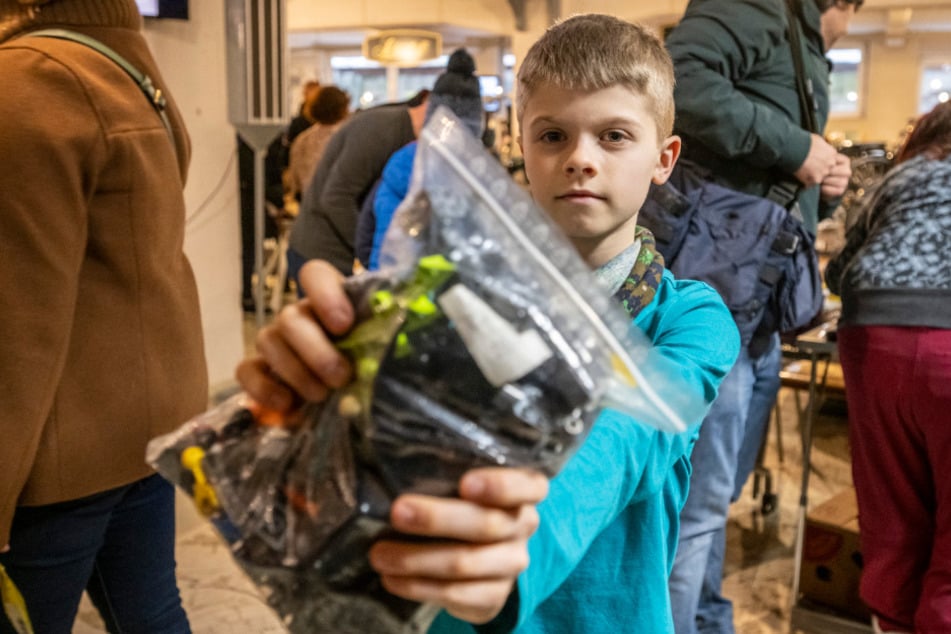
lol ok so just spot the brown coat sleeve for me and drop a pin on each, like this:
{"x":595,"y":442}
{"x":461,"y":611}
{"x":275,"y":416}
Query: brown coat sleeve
{"x":52,"y":146}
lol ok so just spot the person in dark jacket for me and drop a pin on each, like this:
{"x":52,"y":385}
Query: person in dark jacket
{"x":894,"y":339}
{"x":352,"y":162}
{"x":737,"y":111}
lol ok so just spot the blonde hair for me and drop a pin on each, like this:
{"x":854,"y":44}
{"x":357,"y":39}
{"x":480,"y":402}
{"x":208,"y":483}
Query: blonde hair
{"x":594,"y":51}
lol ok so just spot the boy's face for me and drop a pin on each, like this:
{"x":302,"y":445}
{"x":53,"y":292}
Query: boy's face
{"x":590,"y":157}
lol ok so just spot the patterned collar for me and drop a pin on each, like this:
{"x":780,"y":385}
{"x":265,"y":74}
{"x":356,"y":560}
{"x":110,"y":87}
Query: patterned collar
{"x":634,"y":274}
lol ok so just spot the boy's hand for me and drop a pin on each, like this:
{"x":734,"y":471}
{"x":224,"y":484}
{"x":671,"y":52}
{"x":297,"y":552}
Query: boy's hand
{"x":4,"y":549}
{"x":471,"y":573}
{"x":483,"y":533}
{"x":296,"y":357}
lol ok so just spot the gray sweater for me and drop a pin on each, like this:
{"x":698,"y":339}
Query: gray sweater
{"x":352,"y":162}
{"x":895,"y":269}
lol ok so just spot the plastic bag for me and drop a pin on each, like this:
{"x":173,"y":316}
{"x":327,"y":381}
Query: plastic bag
{"x":485,"y":342}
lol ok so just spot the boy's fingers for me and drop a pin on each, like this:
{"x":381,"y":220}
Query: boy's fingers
{"x":473,"y":601}
{"x":286,"y":367}
{"x":449,"y":560}
{"x":298,"y":333}
{"x":323,"y":286}
{"x":503,"y":487}
{"x":255,"y":377}
{"x":461,"y":520}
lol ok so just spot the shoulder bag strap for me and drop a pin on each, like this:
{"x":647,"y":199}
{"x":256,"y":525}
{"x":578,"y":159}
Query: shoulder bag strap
{"x":807,"y":98}
{"x":143,"y":81}
{"x":786,"y":190}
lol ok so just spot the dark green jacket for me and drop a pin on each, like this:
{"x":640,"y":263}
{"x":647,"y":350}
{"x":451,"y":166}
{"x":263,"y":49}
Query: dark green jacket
{"x":737,"y":105}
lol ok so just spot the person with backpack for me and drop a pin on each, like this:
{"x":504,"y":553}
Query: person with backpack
{"x":742,"y":118}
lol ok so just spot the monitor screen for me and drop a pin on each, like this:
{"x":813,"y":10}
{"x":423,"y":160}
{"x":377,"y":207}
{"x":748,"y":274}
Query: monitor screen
{"x":163,"y":8}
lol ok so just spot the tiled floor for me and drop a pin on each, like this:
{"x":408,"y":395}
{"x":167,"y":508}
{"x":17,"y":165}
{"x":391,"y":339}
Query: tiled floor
{"x":758,"y":571}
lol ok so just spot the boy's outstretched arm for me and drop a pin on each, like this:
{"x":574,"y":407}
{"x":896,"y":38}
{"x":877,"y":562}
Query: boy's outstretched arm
{"x":480,"y":544}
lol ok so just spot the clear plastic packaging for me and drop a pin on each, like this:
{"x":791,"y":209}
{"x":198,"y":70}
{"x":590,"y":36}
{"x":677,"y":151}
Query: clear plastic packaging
{"x":484,"y":341}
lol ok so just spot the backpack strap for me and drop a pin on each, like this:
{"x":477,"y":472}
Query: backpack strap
{"x":143,"y":81}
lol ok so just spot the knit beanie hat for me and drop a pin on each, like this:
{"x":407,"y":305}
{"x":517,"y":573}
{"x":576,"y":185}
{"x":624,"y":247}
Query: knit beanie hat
{"x":458,"y":89}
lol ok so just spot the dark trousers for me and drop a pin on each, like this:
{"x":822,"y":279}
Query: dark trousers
{"x":119,"y":545}
{"x":898,"y":384}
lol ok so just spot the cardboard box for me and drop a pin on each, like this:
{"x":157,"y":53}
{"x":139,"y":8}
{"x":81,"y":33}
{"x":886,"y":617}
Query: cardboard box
{"x":831,"y":560}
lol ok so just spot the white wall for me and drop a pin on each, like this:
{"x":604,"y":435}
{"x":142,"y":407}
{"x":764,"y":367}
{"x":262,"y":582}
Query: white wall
{"x":303,"y":65}
{"x":191,"y":57}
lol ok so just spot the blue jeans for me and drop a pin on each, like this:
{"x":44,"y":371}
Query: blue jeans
{"x":722,"y":460}
{"x":118,"y":545}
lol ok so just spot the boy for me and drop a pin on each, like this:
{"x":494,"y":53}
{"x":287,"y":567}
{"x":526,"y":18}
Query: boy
{"x":595,"y":107}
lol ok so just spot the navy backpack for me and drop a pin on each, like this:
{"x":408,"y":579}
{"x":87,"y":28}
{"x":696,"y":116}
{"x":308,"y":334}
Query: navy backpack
{"x":755,"y":253}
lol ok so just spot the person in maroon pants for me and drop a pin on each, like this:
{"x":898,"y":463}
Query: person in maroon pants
{"x":894,"y":339}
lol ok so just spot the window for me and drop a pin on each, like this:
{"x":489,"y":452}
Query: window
{"x":935,"y":86}
{"x":845,"y":89}
{"x":364,"y":81}
{"x":368,"y":83}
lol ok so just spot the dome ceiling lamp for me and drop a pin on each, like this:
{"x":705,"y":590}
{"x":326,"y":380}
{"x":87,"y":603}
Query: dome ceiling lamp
{"x":403,"y":47}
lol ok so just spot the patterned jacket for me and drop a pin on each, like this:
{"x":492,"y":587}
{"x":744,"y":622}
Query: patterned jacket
{"x":895,"y":269}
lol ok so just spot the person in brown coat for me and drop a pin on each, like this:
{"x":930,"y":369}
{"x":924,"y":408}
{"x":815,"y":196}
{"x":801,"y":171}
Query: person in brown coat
{"x":101,"y":346}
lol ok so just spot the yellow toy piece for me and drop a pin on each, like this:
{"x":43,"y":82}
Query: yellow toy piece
{"x":202,"y":491}
{"x":13,"y":604}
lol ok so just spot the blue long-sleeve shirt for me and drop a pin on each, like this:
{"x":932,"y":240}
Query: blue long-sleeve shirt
{"x":605,"y":545}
